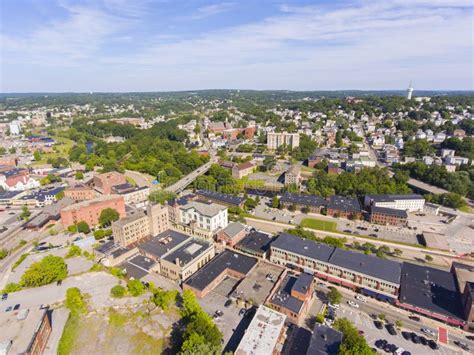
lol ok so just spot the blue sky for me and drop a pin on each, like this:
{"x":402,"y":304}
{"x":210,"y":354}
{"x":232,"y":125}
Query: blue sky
{"x":155,"y":45}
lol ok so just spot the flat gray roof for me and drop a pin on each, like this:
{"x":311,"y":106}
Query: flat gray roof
{"x":163,"y":243}
{"x":324,"y":341}
{"x":283,"y":297}
{"x":303,"y":247}
{"x":188,"y":251}
{"x":303,"y":283}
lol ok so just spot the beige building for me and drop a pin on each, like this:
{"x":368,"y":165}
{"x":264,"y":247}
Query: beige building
{"x":138,"y":225}
{"x":243,"y":169}
{"x":293,"y":175}
{"x":276,"y":140}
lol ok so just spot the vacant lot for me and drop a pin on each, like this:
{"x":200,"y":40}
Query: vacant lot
{"x":319,"y":224}
{"x":123,"y":331}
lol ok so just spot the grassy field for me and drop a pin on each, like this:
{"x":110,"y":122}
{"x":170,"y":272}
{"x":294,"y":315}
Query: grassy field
{"x":319,"y":224}
{"x":114,"y":332}
{"x":62,"y":147}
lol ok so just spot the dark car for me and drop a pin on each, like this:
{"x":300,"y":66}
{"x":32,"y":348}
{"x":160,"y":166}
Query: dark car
{"x":227,"y":303}
{"x":347,"y":231}
{"x":374,"y":316}
{"x":470,"y":337}
{"x":242,"y":312}
{"x":433,"y":345}
{"x":373,"y":235}
{"x":415,"y":338}
{"x":8,"y":309}
{"x":391,"y":329}
{"x":17,"y":307}
{"x":406,"y":353}
{"x":406,"y":335}
{"x":4,"y":296}
{"x":381,"y":343}
{"x":462,"y":345}
{"x":423,"y":340}
{"x":378,"y":324}
{"x":415,"y":318}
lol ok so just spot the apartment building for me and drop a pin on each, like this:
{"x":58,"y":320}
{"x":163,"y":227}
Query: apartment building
{"x":391,"y":216}
{"x":276,"y":140}
{"x":411,"y":202}
{"x":347,"y":207}
{"x":221,"y":198}
{"x":371,"y":275}
{"x":293,"y":175}
{"x":243,"y":169}
{"x":132,"y":195}
{"x":313,"y":203}
{"x":89,"y":211}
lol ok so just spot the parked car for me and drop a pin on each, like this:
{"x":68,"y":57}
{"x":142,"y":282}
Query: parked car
{"x":433,"y":345}
{"x":406,"y":335}
{"x":415,"y":338}
{"x":227,"y":303}
{"x":335,"y":306}
{"x":391,"y":329}
{"x":462,"y":345}
{"x":17,"y":307}
{"x":428,"y":331}
{"x":8,"y":309}
{"x":242,"y":312}
{"x":415,"y":318}
{"x":423,"y":340}
{"x":381,"y":343}
{"x":353,"y":304}
{"x":378,"y":324}
{"x":361,"y":298}
{"x":4,"y":296}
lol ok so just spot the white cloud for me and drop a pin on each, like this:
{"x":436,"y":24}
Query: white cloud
{"x":211,"y":10}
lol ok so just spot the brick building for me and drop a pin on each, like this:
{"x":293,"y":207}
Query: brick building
{"x":347,"y":207}
{"x":104,"y":182}
{"x":80,"y":192}
{"x":382,"y":215}
{"x":89,"y":211}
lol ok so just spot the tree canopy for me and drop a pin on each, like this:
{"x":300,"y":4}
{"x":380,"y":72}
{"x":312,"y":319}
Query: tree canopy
{"x":51,"y":268}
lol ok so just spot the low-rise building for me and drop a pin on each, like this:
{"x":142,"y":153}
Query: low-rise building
{"x":411,"y":202}
{"x":324,"y":341}
{"x":24,"y":332}
{"x":313,"y":203}
{"x":225,"y":264}
{"x":243,"y":169}
{"x":391,"y":216}
{"x":89,"y":211}
{"x":104,"y":182}
{"x":347,"y":207}
{"x":221,"y":198}
{"x":293,"y":175}
{"x":264,"y":335}
{"x":207,"y":216}
{"x":255,"y":243}
{"x":132,"y":195}
{"x":232,"y":234}
{"x":80,"y":192}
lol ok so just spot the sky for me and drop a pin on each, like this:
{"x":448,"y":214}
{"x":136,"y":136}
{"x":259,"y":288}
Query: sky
{"x":160,"y":45}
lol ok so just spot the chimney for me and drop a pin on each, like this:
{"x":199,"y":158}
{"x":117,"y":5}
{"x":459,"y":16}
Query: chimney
{"x":176,"y":261}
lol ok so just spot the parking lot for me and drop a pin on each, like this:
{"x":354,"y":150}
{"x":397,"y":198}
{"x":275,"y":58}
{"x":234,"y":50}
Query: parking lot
{"x":363,"y":322}
{"x":256,"y":286}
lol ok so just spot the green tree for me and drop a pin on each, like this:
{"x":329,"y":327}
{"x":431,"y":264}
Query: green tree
{"x":135,"y":287}
{"x":75,"y":301}
{"x":107,"y":216}
{"x":428,"y":258}
{"x":59,"y":195}
{"x":79,"y":175}
{"x":51,"y":268}
{"x":37,"y":155}
{"x":164,"y":299}
{"x":334,"y":296}
{"x":11,"y":287}
{"x":118,"y":291}
{"x":3,"y":253}
{"x":352,"y":343}
{"x":25,"y":213}
{"x":83,"y":227}
{"x":275,"y":202}
{"x":73,"y":251}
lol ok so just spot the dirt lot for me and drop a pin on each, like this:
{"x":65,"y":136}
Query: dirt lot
{"x":124,"y":331}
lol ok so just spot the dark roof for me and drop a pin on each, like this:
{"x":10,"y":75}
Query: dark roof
{"x":389,"y":211}
{"x":188,"y":251}
{"x":348,"y":204}
{"x":225,"y":260}
{"x":42,"y":194}
{"x":163,"y":243}
{"x":255,"y":241}
{"x":325,"y":340}
{"x":302,"y":246}
{"x":303,"y":283}
{"x":389,"y":198}
{"x":367,"y":264}
{"x":106,"y":247}
{"x":133,"y":270}
{"x":431,"y":289}
{"x":123,"y":186}
{"x":225,"y":198}
{"x":9,"y":194}
{"x":283,"y":297}
{"x":300,"y":199}
{"x":142,"y":262}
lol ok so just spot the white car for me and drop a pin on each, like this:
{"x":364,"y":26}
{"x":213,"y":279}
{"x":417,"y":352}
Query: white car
{"x":428,"y":331}
{"x":353,"y":304}
{"x":335,"y":306}
{"x":361,"y":298}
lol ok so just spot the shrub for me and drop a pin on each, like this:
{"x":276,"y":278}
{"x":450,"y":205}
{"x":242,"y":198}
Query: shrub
{"x":135,"y":287}
{"x":75,"y":301}
{"x":11,"y":287}
{"x":74,"y":250}
{"x":83,"y":227}
{"x":118,"y":291}
{"x":50,"y":268}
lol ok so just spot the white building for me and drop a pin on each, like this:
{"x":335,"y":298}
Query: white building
{"x":207,"y":216}
{"x":15,"y":128}
{"x":409,"y":92}
{"x":263,"y":334}
{"x":455,"y":160}
{"x":275,"y":140}
{"x":409,"y":203}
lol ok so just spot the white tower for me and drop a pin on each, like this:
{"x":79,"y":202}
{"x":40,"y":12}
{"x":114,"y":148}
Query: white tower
{"x":409,"y":91}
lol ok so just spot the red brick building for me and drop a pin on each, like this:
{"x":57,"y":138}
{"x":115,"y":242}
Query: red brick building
{"x":104,"y":182}
{"x":80,"y":192}
{"x":89,"y":211}
{"x":383,"y":215}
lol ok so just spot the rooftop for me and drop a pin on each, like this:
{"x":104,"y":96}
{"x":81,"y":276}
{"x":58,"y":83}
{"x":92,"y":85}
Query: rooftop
{"x":226,"y":198}
{"x":84,"y":204}
{"x":263,"y":332}
{"x":188,"y":252}
{"x":464,"y":274}
{"x":300,"y":199}
{"x":204,"y":208}
{"x":391,"y":198}
{"x":283,"y":297}
{"x":255,"y":242}
{"x":163,"y":243}
{"x":303,"y":247}
{"x":131,"y":217}
{"x":431,"y":289}
{"x":348,"y":204}
{"x":233,"y":229}
{"x":19,"y":331}
{"x":226,"y":260}
{"x":324,"y":340}
{"x":303,"y":283}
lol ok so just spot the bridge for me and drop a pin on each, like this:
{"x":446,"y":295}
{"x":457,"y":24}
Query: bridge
{"x":180,"y":185}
